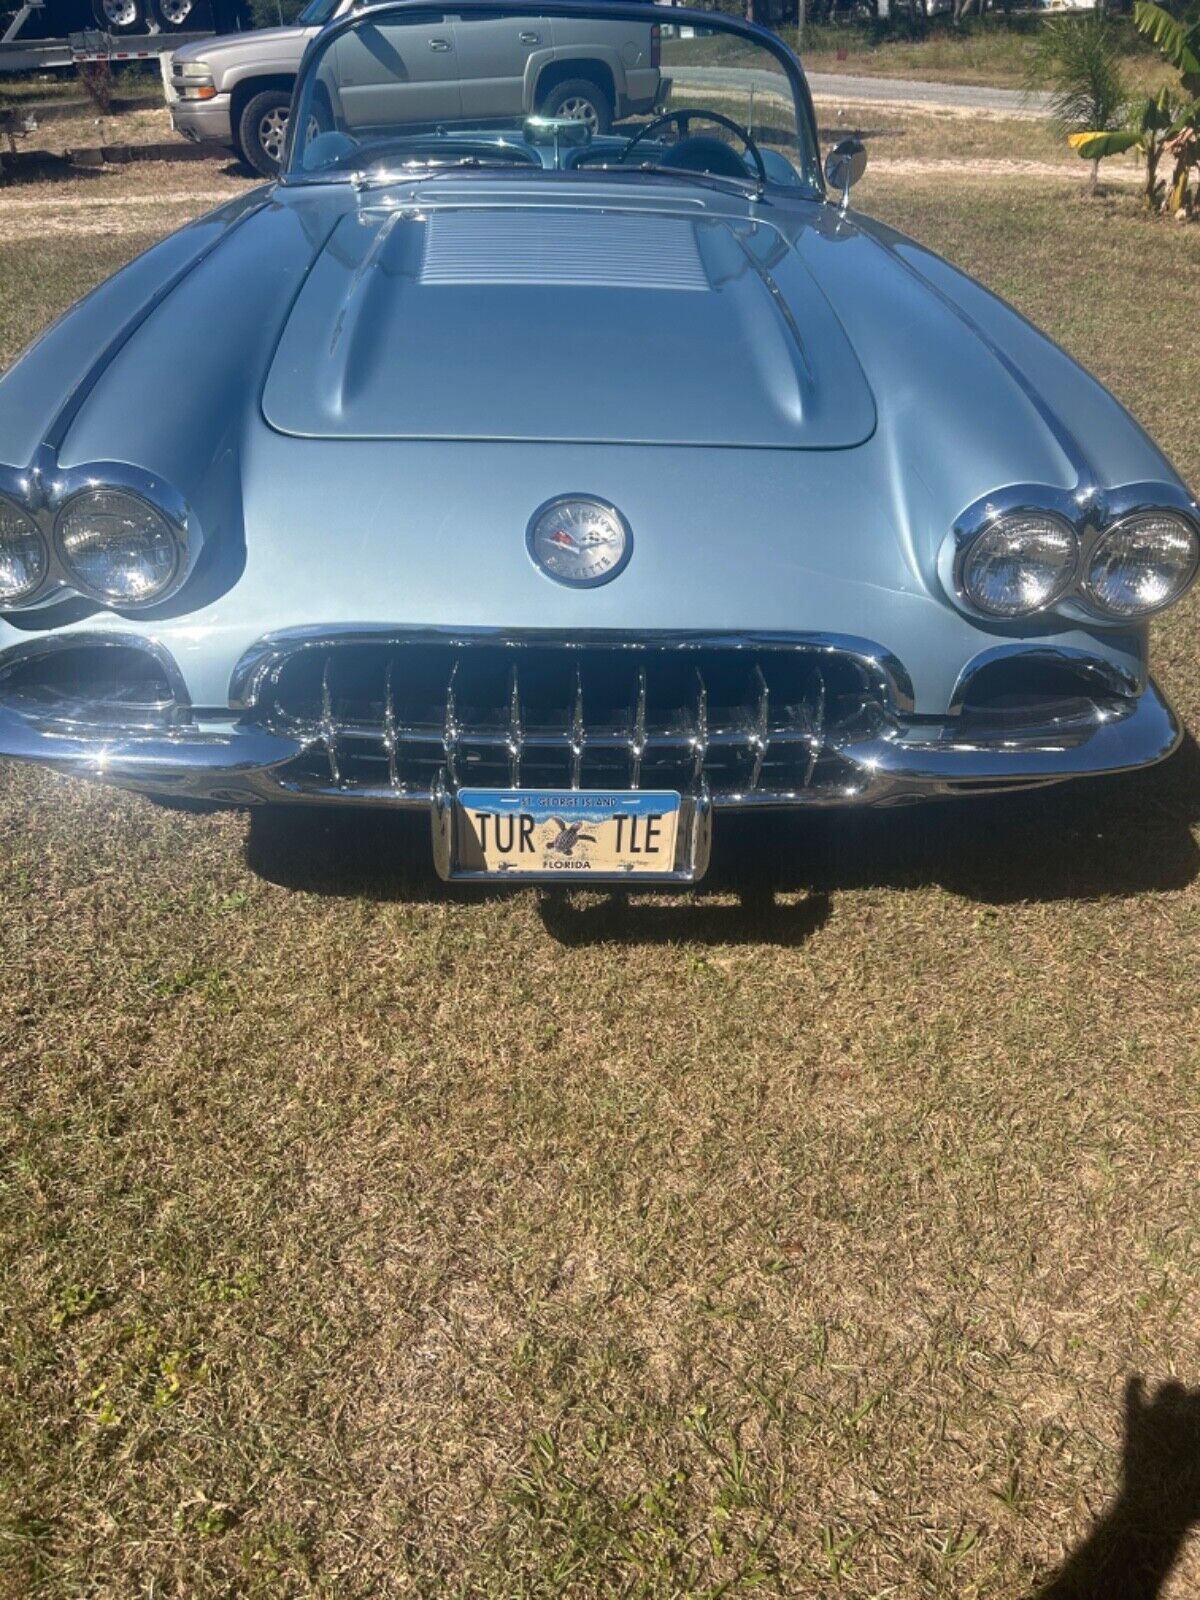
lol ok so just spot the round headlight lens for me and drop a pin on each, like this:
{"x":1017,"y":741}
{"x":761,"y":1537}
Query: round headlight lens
{"x":1142,"y":564}
{"x":117,"y":547}
{"x":1022,"y":563}
{"x":23,"y":557}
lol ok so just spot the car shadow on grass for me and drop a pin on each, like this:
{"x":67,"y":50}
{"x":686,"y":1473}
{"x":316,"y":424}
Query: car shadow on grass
{"x":774,"y":878}
{"x":1130,"y":1552}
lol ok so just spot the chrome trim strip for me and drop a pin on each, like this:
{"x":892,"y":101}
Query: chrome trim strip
{"x":73,"y":404}
{"x":1086,"y":477}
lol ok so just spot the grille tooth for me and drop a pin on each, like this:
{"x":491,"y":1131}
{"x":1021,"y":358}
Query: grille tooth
{"x":329,"y":727}
{"x":516,"y":731}
{"x":451,"y":731}
{"x":762,"y":727}
{"x":578,"y":729}
{"x":816,"y":722}
{"x":700,"y":738}
{"x":384,"y":717}
{"x":637,"y":741}
{"x":390,"y":742}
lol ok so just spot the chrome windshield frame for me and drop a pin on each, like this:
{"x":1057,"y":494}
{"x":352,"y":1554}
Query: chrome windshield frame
{"x":812,"y":181}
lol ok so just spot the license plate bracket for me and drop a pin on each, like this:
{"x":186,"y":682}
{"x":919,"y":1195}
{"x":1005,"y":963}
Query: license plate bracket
{"x":572,"y":837}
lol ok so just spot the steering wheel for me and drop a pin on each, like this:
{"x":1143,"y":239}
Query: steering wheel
{"x":683,"y":116}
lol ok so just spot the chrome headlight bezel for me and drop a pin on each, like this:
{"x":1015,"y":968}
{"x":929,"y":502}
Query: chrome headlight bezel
{"x":1055,"y":524}
{"x":21,"y":515}
{"x":1092,"y":515}
{"x":1088,"y":593}
{"x":46,"y":496}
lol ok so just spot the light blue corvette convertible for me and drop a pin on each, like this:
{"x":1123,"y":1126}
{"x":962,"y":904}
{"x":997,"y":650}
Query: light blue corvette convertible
{"x":553,"y":451}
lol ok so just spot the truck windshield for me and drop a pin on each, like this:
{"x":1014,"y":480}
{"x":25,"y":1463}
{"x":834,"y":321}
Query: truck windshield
{"x":399,"y":89}
{"x":318,"y":13}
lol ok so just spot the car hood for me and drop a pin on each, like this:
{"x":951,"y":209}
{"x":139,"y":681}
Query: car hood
{"x":257,"y":41}
{"x":422,"y":532}
{"x":565,"y":323}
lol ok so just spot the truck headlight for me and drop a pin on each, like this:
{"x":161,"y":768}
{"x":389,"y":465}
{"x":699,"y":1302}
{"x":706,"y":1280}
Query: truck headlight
{"x":24,"y":559}
{"x":1141,"y":564}
{"x":1020,"y":563}
{"x":117,"y":548}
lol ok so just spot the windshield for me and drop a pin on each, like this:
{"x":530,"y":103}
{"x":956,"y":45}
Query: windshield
{"x":402,"y":89}
{"x":317,"y":13}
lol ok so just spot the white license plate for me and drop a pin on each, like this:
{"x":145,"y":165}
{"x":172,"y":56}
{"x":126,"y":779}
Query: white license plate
{"x":566,"y":832}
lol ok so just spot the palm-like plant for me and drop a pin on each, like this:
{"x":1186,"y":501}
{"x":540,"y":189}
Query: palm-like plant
{"x":1166,"y":123}
{"x":1077,"y":61}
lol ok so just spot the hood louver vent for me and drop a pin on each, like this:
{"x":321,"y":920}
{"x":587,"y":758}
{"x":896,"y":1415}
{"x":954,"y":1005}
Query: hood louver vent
{"x":562,"y":249}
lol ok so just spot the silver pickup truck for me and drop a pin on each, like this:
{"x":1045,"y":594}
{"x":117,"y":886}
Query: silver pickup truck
{"x":236,"y":90}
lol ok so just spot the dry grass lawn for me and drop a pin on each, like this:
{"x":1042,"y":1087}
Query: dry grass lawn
{"x":801,"y":1236}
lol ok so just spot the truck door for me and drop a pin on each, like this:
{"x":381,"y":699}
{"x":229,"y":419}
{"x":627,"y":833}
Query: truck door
{"x":492,"y":52}
{"x":399,"y":72}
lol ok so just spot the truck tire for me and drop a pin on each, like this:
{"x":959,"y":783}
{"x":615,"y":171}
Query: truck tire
{"x":119,"y":16}
{"x":262,"y":129}
{"x":582,"y":99}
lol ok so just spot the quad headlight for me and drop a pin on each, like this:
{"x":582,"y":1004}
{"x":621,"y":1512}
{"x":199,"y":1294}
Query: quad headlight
{"x":1118,"y":555}
{"x":116,"y":547}
{"x":1020,"y":563}
{"x":24,"y":559}
{"x":1141,"y":564}
{"x":108,"y":531}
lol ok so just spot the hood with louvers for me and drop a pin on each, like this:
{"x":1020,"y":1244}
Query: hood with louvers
{"x":565,"y":323}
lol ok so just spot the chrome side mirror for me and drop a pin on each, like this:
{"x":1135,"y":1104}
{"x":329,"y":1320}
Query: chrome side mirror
{"x":844,"y":166}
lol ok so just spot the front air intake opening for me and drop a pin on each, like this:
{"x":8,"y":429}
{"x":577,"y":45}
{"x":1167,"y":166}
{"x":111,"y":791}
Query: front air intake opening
{"x":98,"y":684}
{"x":1033,"y":693}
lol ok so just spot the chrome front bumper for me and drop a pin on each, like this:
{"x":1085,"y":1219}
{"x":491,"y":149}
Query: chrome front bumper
{"x":234,"y":762}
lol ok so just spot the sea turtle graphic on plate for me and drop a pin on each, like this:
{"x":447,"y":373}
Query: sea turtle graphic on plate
{"x":569,"y":835}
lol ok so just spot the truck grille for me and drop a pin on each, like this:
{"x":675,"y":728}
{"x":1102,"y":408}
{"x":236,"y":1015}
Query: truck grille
{"x":387,"y":717}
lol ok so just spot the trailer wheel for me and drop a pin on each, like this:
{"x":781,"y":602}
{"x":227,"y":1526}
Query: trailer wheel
{"x":119,"y":16}
{"x":262,"y":129}
{"x":171,"y":15}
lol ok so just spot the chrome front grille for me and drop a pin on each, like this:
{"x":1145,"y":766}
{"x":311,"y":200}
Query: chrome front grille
{"x":387,"y":716}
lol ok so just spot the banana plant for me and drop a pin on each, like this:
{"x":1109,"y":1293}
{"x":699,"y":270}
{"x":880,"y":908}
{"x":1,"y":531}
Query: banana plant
{"x":1152,"y":130}
{"x":1178,"y":40}
{"x":1166,"y":123}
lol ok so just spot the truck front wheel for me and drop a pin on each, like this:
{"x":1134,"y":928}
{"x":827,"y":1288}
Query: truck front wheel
{"x":262,"y":130}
